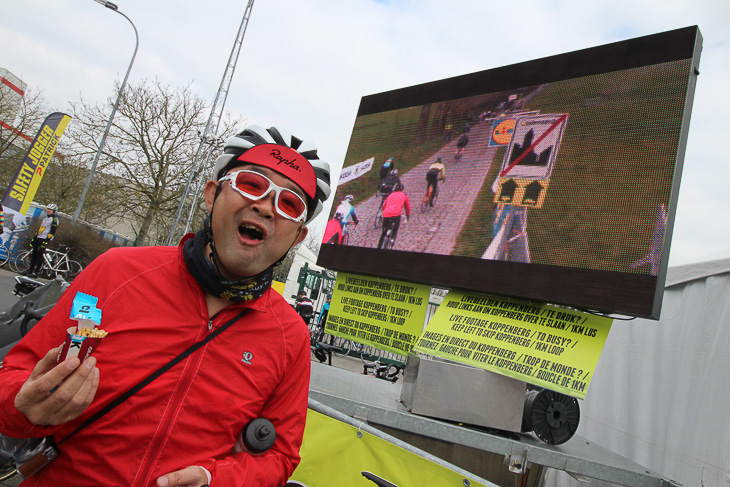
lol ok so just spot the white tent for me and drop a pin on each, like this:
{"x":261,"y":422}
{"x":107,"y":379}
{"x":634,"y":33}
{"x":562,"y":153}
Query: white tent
{"x":661,"y":392}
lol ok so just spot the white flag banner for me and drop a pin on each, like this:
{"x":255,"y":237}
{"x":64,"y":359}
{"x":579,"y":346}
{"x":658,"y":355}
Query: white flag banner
{"x":356,"y":170}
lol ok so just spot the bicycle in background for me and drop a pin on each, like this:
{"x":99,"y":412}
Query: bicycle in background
{"x":379,"y":212}
{"x":56,"y":263}
{"x":4,"y":254}
{"x":380,"y":370}
{"x":429,"y":199}
{"x":347,"y":230}
{"x":389,"y":240}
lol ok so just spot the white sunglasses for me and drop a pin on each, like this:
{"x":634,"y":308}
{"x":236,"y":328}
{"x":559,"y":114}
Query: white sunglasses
{"x":255,"y":186}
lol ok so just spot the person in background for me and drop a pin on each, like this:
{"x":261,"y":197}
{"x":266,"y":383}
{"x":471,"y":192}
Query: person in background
{"x":325,"y":311}
{"x":322,"y":321}
{"x":45,"y":234}
{"x":305,"y":307}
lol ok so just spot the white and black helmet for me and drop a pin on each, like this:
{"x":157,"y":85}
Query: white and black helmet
{"x":254,"y":135}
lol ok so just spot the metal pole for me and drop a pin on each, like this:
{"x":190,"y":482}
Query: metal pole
{"x":113,"y":7}
{"x":211,"y":128}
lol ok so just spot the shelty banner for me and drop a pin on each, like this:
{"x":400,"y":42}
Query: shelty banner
{"x":384,"y":313}
{"x":336,"y":453}
{"x":23,"y":187}
{"x":552,"y":347}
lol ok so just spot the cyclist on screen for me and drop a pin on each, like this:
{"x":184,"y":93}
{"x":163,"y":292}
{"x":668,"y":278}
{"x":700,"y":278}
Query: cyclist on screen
{"x":461,"y":143}
{"x":394,"y":205}
{"x":389,"y":182}
{"x":385,"y":169}
{"x":436,"y":172}
{"x":346,"y":212}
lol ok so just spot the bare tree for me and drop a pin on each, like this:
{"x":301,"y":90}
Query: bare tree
{"x":313,"y":242}
{"x":20,"y":119}
{"x":63,"y":182}
{"x":150,"y":150}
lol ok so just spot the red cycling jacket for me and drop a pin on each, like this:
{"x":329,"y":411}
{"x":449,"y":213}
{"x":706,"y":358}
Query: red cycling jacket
{"x":332,"y":232}
{"x":153,"y":309}
{"x":395,"y":203}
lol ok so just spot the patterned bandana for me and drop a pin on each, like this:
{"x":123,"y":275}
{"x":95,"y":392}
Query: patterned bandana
{"x":210,"y":279}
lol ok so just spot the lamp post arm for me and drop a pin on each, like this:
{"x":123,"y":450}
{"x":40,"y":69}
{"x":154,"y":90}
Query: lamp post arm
{"x":102,"y":143}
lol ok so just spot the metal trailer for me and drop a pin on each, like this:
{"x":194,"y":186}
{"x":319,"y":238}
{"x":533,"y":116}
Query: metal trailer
{"x":505,"y":458}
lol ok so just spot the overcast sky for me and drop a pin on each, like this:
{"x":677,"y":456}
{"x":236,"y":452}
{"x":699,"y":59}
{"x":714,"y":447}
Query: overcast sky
{"x":305,"y":64}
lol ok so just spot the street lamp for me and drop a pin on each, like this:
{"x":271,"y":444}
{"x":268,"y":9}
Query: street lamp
{"x":113,"y":7}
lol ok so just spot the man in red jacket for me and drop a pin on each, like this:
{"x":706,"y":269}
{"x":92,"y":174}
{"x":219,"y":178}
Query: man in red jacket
{"x":155,"y":302}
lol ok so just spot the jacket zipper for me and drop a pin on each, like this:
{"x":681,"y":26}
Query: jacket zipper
{"x":179,"y":396}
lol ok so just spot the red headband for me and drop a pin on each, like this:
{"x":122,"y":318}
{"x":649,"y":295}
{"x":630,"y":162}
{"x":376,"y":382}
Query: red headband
{"x":286,"y":162}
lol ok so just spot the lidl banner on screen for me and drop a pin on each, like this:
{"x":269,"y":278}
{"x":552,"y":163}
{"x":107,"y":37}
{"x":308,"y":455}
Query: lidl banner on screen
{"x":384,"y":313}
{"x":543,"y":345}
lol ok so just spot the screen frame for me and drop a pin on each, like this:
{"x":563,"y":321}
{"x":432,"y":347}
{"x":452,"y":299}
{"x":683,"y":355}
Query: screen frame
{"x":589,"y":289}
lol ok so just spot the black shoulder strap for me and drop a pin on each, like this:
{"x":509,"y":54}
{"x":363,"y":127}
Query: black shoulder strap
{"x":142,"y":384}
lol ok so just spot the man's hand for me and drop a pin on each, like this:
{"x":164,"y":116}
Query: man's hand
{"x":192,"y":476}
{"x":55,"y":394}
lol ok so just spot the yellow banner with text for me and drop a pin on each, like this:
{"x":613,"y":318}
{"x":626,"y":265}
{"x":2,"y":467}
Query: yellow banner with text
{"x":552,"y":347}
{"x":384,"y":313}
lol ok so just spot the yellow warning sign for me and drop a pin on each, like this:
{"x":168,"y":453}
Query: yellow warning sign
{"x":529,"y":193}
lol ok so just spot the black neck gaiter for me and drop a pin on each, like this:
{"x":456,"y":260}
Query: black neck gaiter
{"x":210,"y":280}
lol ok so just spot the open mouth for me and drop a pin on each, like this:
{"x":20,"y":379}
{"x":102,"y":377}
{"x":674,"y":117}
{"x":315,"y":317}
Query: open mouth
{"x":250,"y":232}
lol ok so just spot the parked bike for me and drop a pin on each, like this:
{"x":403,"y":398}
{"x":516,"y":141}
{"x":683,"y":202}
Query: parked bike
{"x":56,"y":263}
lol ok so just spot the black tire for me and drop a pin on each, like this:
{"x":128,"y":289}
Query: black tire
{"x":389,"y":241}
{"x":4,"y":254}
{"x":379,"y":213}
{"x":341,"y":345}
{"x":20,"y":261}
{"x":67,"y":270}
{"x":368,"y":354}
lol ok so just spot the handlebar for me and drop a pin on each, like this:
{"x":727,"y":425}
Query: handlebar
{"x":387,"y":372}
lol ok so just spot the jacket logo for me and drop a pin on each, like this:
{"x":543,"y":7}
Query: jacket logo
{"x":246,"y":358}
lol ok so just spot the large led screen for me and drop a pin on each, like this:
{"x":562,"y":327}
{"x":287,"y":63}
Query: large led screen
{"x":559,"y":183}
